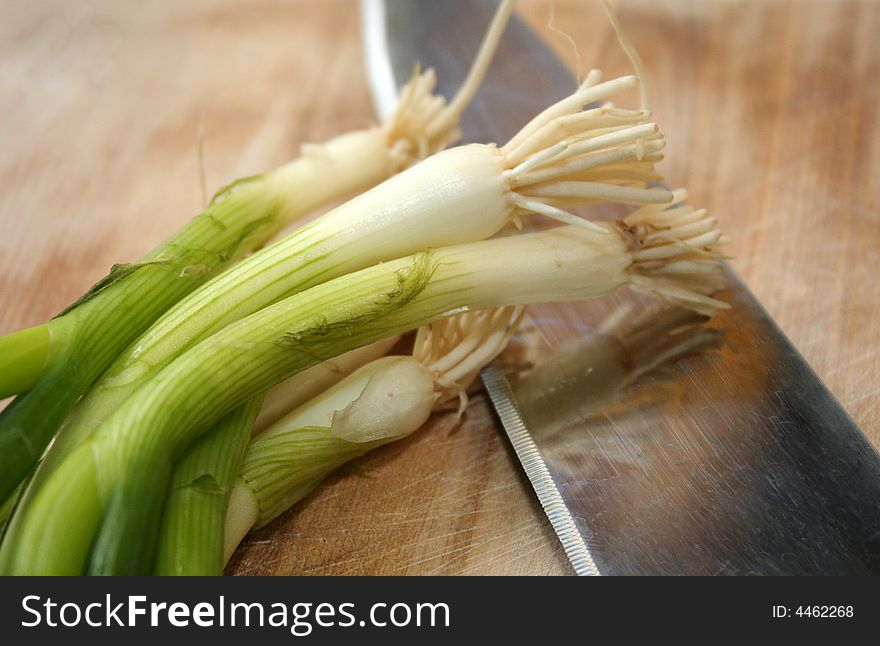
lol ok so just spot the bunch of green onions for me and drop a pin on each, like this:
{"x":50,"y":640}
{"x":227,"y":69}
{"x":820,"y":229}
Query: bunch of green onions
{"x":158,"y":403}
{"x":55,"y":364}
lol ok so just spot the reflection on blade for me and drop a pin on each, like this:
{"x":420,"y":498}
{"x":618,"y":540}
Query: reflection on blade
{"x":682,"y":447}
{"x":597,"y":375}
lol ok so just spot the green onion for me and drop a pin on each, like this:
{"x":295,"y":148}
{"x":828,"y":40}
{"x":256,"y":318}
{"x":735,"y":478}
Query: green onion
{"x":127,"y":542}
{"x":151,"y":428}
{"x":282,"y":469}
{"x":71,"y":351}
{"x":191,"y":534}
{"x":385,"y":400}
{"x":23,"y":355}
{"x":7,"y":508}
{"x":303,"y":386}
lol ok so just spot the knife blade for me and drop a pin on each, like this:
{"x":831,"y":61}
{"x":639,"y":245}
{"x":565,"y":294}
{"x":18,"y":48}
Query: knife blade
{"x":657,"y":443}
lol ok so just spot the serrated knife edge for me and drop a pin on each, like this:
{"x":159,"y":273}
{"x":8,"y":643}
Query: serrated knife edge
{"x":557,"y":511}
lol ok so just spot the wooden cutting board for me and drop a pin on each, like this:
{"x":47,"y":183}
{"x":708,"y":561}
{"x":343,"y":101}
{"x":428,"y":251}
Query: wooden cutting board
{"x":770,"y":108}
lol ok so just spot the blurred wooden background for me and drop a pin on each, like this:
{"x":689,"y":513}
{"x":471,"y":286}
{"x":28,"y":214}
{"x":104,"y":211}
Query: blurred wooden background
{"x":771,"y":112}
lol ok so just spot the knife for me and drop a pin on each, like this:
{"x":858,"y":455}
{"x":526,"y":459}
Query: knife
{"x":656,"y":442}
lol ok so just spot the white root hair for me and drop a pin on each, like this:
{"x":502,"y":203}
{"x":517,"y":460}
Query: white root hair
{"x":422,"y":122}
{"x":456,"y":348}
{"x":569,"y":156}
{"x":677,"y":254}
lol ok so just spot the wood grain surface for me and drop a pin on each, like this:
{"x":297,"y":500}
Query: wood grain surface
{"x":771,"y":112}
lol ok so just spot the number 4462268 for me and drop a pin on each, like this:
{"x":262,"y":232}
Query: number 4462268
{"x":818,"y":612}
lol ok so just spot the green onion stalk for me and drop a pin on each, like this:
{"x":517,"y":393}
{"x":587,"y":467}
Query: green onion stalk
{"x":57,"y":362}
{"x":192,"y":530}
{"x":383,"y":401}
{"x":191,"y":535}
{"x":148,"y":432}
{"x":303,"y":386}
